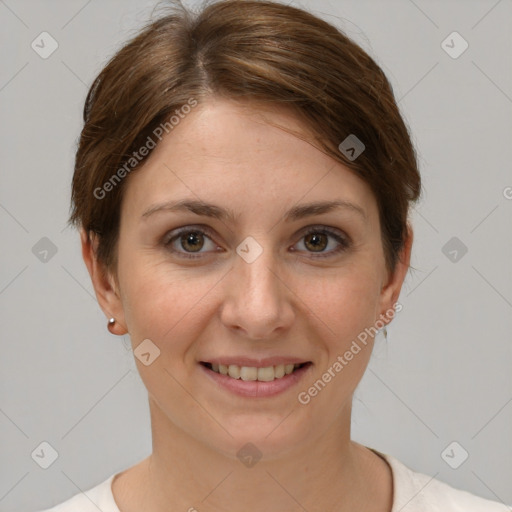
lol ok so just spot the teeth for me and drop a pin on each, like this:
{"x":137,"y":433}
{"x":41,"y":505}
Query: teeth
{"x":266,"y":374}
{"x":234,"y":371}
{"x":248,"y":373}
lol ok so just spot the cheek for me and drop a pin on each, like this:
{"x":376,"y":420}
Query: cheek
{"x":169,"y":308}
{"x":347,"y":303}
{"x":162,"y":303}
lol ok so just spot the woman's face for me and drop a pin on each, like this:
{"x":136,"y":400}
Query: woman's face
{"x":256,"y":272}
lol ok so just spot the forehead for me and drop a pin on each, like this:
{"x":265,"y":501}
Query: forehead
{"x":244,"y":154}
{"x":236,"y":131}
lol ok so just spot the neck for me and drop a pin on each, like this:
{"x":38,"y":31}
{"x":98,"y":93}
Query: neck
{"x":327,"y":473}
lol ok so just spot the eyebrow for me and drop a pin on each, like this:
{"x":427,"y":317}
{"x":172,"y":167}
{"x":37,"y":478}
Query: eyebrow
{"x":210,"y":210}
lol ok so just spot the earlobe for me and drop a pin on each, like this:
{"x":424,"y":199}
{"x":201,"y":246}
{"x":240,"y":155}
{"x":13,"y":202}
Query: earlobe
{"x":391,"y":290}
{"x":104,"y":284}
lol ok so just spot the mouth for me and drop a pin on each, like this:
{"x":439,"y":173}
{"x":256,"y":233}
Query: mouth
{"x":253,"y":373}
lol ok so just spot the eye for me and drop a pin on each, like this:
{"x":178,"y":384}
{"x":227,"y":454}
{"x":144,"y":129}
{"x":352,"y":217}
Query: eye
{"x":319,"y":239}
{"x":189,"y":240}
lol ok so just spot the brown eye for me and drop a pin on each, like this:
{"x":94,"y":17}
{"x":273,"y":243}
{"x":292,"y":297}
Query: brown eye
{"x":192,"y":241}
{"x":324,"y":242}
{"x":316,"y":242}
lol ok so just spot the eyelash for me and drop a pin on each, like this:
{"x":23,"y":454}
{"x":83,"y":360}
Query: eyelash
{"x":343,"y":240}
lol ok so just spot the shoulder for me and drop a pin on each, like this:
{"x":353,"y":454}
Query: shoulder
{"x":96,"y":498}
{"x":417,"y":492}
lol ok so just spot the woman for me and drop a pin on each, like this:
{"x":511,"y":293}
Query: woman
{"x":242,"y":186}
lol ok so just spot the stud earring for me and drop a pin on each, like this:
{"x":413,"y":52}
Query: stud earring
{"x":111,"y":323}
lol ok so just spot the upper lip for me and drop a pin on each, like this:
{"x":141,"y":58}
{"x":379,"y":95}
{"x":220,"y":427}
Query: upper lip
{"x":258,"y":363}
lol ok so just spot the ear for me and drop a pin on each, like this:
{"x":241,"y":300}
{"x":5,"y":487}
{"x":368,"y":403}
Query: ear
{"x":391,"y":290}
{"x":104,"y":283}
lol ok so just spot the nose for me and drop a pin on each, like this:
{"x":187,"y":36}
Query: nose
{"x":257,"y":301}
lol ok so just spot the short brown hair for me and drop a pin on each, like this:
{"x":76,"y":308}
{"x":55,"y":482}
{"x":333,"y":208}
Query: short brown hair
{"x":245,"y":50}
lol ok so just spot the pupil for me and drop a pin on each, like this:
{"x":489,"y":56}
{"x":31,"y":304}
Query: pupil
{"x":191,"y":239}
{"x":317,"y":243}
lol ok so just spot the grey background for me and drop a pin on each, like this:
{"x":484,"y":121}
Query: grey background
{"x":445,"y":374}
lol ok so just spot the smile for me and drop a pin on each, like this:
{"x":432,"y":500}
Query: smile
{"x":247,"y":373}
{"x":255,"y":382}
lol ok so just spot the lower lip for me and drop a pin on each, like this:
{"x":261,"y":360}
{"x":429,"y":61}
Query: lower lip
{"x":255,"y":388}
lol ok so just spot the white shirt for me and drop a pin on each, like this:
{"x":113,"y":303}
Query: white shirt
{"x":412,"y":492}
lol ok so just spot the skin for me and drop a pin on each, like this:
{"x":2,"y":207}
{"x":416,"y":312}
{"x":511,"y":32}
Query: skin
{"x":289,"y":301}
